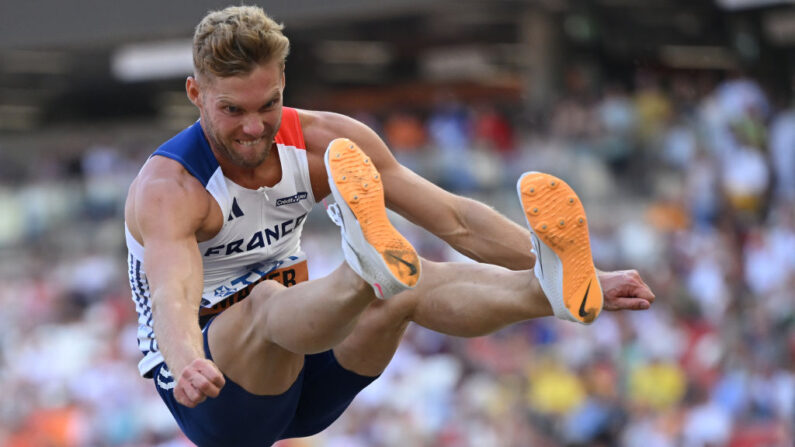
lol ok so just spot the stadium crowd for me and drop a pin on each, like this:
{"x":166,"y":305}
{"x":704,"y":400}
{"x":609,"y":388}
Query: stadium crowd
{"x":687,"y":179}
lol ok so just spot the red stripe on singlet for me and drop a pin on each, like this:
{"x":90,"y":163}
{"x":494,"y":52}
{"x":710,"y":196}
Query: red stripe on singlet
{"x":290,"y":133}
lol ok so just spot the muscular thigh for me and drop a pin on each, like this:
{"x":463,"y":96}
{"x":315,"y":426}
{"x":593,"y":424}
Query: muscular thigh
{"x":241,"y":350}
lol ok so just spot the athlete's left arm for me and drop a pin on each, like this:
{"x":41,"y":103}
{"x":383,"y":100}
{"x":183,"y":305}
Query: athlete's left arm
{"x":469,"y":226}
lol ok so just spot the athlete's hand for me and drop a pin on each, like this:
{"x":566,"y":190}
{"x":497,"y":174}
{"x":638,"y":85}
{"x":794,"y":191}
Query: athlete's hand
{"x":197,"y":381}
{"x":625,"y":290}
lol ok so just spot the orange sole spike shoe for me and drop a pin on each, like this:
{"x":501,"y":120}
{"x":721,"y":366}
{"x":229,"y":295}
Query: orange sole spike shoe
{"x":373,"y":248}
{"x":564,"y":264}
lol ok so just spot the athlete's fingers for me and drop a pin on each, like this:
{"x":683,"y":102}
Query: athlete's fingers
{"x":196,"y":396}
{"x":182,"y":397}
{"x":633,"y":291}
{"x":179,"y":396}
{"x":645,"y":293}
{"x":188,"y":387}
{"x":210,"y":371}
{"x":200,"y":379}
{"x":626,"y":284}
{"x":194,"y":393}
{"x":627,"y":304}
{"x":205,"y":385}
{"x":642,"y":290}
{"x":640,"y":278}
{"x":188,"y":395}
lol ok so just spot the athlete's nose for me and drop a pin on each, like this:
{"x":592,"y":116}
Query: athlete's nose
{"x":253,"y":125}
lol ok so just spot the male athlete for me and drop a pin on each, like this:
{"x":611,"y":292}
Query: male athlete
{"x":213,"y":226}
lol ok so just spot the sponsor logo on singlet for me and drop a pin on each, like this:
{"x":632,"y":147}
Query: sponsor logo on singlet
{"x":292,"y":199}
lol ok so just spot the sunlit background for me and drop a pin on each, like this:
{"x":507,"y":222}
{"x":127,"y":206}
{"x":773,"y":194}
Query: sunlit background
{"x":674,"y":120}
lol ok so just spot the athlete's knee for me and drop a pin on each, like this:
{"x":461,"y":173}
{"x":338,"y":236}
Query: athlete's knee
{"x":395,"y":312}
{"x":263,"y":291}
{"x":257,"y":303}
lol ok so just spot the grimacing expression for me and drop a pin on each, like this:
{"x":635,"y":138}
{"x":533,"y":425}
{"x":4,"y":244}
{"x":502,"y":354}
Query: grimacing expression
{"x":241,"y":114}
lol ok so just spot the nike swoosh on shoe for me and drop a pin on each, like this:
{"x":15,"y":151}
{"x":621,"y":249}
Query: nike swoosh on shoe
{"x":412,"y":267}
{"x":583,"y":313}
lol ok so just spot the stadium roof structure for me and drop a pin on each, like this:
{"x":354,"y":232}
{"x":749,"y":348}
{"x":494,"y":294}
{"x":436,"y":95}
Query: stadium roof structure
{"x":93,"y":58}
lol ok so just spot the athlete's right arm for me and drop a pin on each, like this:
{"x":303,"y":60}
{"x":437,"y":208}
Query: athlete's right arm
{"x":168,"y":213}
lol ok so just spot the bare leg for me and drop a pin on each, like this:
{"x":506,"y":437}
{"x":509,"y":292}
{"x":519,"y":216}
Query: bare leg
{"x":470,"y":300}
{"x":460,"y":299}
{"x":260,"y":342}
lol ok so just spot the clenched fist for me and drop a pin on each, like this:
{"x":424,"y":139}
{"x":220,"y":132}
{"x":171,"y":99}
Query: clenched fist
{"x":197,"y":381}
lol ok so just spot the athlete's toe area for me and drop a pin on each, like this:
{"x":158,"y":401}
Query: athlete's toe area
{"x":384,"y":258}
{"x":564,"y":264}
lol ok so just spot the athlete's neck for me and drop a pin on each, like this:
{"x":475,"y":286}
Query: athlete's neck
{"x":267,"y":174}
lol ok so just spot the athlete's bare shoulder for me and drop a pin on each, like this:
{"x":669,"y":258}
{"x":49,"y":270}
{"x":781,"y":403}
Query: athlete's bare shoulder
{"x":165,"y":196}
{"x":320,"y":128}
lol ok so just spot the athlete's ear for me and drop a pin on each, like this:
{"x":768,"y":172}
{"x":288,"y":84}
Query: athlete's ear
{"x":192,"y":89}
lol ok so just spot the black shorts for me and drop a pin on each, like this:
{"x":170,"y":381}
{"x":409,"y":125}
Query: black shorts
{"x":322,"y":391}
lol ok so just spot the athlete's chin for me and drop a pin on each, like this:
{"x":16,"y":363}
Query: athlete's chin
{"x":252,"y":163}
{"x":252,"y":160}
{"x":249,"y":156}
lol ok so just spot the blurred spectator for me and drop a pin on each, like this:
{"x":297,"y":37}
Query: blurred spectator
{"x":746,"y":179}
{"x":654,"y":110}
{"x":404,"y":132}
{"x":554,"y":390}
{"x":617,"y":116}
{"x":405,"y":135}
{"x":705,"y":423}
{"x":573,"y":121}
{"x":658,"y":385}
{"x":493,"y":131}
{"x":782,"y":153}
{"x":450,"y":129}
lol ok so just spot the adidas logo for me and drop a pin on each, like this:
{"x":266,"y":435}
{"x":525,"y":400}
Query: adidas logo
{"x":236,"y":211}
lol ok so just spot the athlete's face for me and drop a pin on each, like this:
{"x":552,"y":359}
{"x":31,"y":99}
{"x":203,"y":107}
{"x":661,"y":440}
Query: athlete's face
{"x":241,"y":114}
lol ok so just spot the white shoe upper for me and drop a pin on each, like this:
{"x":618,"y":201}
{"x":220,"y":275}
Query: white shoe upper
{"x":549,"y":271}
{"x":362,"y":258}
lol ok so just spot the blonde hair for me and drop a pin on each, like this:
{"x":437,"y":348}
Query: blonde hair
{"x":234,"y":40}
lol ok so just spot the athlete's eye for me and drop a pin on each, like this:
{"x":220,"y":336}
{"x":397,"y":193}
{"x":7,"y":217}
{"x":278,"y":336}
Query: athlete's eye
{"x":231,"y":109}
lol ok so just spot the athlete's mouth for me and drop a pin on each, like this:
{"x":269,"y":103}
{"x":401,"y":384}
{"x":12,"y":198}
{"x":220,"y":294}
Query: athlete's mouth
{"x":249,"y":142}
